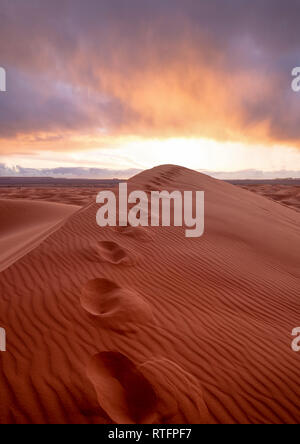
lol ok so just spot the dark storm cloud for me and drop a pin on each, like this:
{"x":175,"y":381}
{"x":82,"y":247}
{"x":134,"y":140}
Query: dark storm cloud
{"x":34,"y":103}
{"x":79,"y":66}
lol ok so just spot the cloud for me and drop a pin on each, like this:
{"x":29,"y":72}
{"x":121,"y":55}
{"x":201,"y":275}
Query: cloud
{"x":81,"y":73}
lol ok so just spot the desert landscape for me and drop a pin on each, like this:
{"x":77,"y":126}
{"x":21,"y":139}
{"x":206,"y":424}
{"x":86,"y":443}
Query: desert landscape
{"x":141,"y":325}
{"x":149,"y":214}
{"x":286,"y":192}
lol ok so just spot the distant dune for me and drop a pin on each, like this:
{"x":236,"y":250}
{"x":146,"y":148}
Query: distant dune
{"x":142,"y":325}
{"x":67,"y":195}
{"x":288,"y":194}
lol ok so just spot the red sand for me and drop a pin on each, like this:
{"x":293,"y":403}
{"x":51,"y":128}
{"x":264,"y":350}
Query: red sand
{"x":287,"y":195}
{"x":144,"y":325}
{"x":24,"y":224}
{"x":68,"y":195}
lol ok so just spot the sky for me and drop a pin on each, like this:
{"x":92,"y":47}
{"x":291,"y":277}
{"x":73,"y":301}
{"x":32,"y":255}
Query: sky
{"x":118,"y":86}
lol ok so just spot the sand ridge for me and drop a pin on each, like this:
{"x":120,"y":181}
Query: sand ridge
{"x":209,"y":320}
{"x":25,"y":224}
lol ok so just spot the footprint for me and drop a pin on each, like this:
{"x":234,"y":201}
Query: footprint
{"x":179,"y":394}
{"x":156,"y":182}
{"x":158,"y":391}
{"x":149,"y":188}
{"x":170,"y":174}
{"x":122,"y":390}
{"x":119,"y":309}
{"x":136,"y":233}
{"x":114,"y":254}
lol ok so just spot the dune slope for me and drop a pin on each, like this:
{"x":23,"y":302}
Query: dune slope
{"x":24,"y":224}
{"x":202,"y":326}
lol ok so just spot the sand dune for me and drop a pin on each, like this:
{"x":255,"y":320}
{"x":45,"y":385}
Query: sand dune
{"x":24,"y":224}
{"x":201,"y":327}
{"x":287,"y":195}
{"x":68,"y":195}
